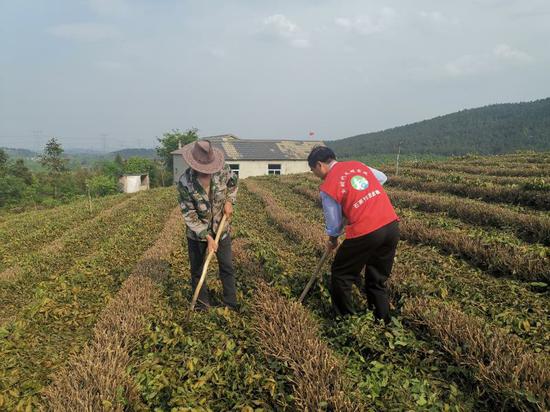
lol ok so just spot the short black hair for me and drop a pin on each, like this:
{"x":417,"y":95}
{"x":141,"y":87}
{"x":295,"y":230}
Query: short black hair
{"x":320,"y":154}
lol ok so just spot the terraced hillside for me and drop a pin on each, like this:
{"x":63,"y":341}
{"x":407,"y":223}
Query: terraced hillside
{"x":94,"y":311}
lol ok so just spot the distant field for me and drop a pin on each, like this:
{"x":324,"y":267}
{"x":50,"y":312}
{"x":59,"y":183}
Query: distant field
{"x":528,"y":159}
{"x":93,"y":306}
{"x":390,"y":160}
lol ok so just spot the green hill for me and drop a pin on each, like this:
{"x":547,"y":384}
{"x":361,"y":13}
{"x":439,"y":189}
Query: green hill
{"x":127,"y":153}
{"x":495,"y":129}
{"x":19,"y":153}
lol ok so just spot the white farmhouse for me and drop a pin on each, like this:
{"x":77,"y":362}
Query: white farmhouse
{"x":248,"y":157}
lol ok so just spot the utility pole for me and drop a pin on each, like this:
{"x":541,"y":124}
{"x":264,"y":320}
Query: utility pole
{"x":89,"y":197}
{"x":397,"y":160}
{"x":162,"y":171}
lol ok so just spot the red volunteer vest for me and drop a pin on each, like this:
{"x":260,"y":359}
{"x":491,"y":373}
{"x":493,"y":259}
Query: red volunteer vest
{"x":364,"y":202}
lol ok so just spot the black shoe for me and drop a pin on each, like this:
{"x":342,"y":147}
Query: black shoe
{"x":234,"y":308}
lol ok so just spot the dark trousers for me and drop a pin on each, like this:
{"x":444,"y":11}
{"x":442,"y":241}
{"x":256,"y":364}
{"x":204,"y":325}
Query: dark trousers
{"x":197,"y":252}
{"x":374,"y":252}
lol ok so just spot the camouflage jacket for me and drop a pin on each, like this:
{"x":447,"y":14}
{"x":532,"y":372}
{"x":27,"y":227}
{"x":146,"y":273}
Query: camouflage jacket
{"x":203,"y":214}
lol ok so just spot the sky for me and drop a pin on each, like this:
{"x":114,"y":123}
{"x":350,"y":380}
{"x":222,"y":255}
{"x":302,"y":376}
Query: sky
{"x":110,"y":74}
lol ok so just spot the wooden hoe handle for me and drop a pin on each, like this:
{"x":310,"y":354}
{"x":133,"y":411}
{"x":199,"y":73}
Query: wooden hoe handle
{"x":313,"y":277}
{"x":317,"y":273}
{"x":206,"y":263}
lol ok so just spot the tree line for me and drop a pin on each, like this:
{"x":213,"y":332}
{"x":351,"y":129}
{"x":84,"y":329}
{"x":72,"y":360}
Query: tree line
{"x":60,"y":182}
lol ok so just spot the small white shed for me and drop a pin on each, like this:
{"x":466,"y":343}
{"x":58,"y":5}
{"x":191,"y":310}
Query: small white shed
{"x":134,"y":183}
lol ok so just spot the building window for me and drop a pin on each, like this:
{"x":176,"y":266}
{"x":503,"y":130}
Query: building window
{"x":273,"y":169}
{"x":234,"y":168}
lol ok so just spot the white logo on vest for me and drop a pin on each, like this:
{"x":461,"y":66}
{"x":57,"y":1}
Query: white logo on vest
{"x":359,"y":183}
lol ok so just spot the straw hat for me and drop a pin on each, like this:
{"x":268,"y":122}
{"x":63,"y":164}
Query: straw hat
{"x":203,"y":157}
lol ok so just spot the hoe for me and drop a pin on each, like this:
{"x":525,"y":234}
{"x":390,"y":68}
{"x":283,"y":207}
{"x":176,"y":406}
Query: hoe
{"x":317,"y":274}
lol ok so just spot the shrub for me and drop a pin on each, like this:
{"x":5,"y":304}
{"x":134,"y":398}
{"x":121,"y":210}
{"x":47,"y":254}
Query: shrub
{"x":102,"y":185}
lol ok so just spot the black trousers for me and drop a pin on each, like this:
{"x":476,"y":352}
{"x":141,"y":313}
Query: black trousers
{"x":197,"y":252}
{"x":374,"y":252}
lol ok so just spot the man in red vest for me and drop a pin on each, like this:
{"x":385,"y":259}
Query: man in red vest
{"x":353,"y":191}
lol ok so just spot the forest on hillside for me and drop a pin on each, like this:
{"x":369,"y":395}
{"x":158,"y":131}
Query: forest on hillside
{"x":495,"y":129}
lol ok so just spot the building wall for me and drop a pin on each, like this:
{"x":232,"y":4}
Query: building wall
{"x":249,"y":168}
{"x":132,"y":184}
{"x":179,"y":166}
{"x":145,"y":182}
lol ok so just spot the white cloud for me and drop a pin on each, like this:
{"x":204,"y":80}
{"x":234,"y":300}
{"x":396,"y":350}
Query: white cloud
{"x":89,"y":32}
{"x":468,"y":65}
{"x":216,"y":52}
{"x":279,"y":26}
{"x":501,"y":55}
{"x":300,"y":43}
{"x":506,"y":52}
{"x":437,"y":17}
{"x":432,"y":15}
{"x":368,"y":24}
{"x":343,"y":22}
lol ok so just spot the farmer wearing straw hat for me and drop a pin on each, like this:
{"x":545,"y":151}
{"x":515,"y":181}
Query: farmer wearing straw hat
{"x":353,"y":191}
{"x":208,"y":190}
